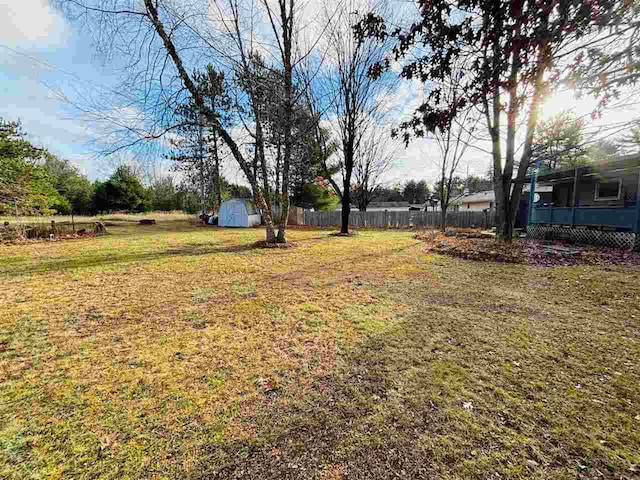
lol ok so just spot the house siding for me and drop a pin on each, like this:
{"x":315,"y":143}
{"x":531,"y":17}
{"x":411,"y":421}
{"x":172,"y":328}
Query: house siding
{"x":587,"y":191}
{"x":607,"y":220}
{"x":475,"y":206}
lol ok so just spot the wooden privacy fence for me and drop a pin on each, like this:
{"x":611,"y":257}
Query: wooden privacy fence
{"x":391,"y":219}
{"x":296,"y":215}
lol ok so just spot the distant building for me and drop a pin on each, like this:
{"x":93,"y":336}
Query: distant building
{"x":477,"y":202}
{"x":481,"y":201}
{"x":388,"y":207}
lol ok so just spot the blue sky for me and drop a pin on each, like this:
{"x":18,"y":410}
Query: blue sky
{"x":40,"y":53}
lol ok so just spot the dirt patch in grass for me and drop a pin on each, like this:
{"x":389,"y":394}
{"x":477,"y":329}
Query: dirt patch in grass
{"x":526,"y":252}
{"x":265,"y":244}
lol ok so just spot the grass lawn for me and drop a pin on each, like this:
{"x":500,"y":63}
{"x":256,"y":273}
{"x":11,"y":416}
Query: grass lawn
{"x":178,"y":352}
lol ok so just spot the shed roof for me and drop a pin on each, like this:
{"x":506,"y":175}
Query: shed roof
{"x":251,"y":207}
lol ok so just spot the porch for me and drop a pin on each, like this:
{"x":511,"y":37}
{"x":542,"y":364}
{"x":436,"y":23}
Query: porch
{"x":604,"y":196}
{"x":616,"y":218}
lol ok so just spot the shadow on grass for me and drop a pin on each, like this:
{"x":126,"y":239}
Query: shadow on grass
{"x":105,"y":259}
{"x":19,"y":267}
{"x":347,"y":426}
{"x":395,"y":409}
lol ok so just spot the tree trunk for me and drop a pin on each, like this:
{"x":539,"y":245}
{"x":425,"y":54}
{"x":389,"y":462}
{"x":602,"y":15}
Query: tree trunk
{"x":284,"y":196}
{"x":525,"y":159}
{"x":507,"y":223}
{"x":346,"y":203}
{"x":276,"y":193}
{"x":501,"y":191}
{"x":287,"y":18}
{"x":218,"y":179}
{"x":284,"y":215}
{"x":443,"y":217}
{"x":211,"y":115}
{"x":266,"y":215}
{"x":263,"y":166}
{"x":346,"y":209}
{"x":501,"y":184}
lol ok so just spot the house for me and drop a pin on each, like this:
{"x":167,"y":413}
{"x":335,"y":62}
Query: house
{"x":477,"y":202}
{"x":238,"y":212}
{"x":400,"y":206}
{"x":485,"y":202}
{"x":595,"y":203}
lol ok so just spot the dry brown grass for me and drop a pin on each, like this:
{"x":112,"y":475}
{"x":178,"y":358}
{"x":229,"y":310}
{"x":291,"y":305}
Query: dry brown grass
{"x":116,"y":217}
{"x":172,"y":351}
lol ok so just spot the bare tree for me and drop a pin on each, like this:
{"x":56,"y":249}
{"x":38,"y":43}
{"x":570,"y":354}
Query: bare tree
{"x":282,"y":21}
{"x":374,"y":158}
{"x":454,"y":142}
{"x":357,"y":100}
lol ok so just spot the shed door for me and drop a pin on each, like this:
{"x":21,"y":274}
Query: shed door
{"x":234,"y":215}
{"x":238,"y":214}
{"x":229,"y":214}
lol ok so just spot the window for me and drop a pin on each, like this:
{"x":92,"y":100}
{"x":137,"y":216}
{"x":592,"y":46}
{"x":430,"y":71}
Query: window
{"x":608,"y":189}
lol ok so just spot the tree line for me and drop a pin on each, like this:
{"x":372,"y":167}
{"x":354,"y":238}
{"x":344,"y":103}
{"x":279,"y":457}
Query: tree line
{"x":33,"y":181}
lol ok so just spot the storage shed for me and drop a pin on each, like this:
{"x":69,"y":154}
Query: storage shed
{"x":238,"y":212}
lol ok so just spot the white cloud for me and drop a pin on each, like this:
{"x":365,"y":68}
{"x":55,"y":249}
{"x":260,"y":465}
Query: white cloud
{"x":31,"y":24}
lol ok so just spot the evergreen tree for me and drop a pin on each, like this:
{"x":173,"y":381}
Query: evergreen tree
{"x":26,"y":185}
{"x":123,"y":191}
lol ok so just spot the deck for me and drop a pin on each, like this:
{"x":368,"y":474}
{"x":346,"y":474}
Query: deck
{"x":620,"y":218}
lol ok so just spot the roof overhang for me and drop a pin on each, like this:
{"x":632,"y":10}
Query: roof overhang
{"x":619,"y":166}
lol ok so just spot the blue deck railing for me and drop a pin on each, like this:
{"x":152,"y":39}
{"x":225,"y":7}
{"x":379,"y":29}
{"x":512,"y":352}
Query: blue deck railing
{"x":622,"y":218}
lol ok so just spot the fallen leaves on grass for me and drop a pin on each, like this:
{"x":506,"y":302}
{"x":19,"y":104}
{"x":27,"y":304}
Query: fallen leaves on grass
{"x":265,"y":244}
{"x":526,"y":252}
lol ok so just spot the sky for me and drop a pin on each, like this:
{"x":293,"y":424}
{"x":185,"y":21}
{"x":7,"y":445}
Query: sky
{"x":39,"y":51}
{"x":41,"y":54}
